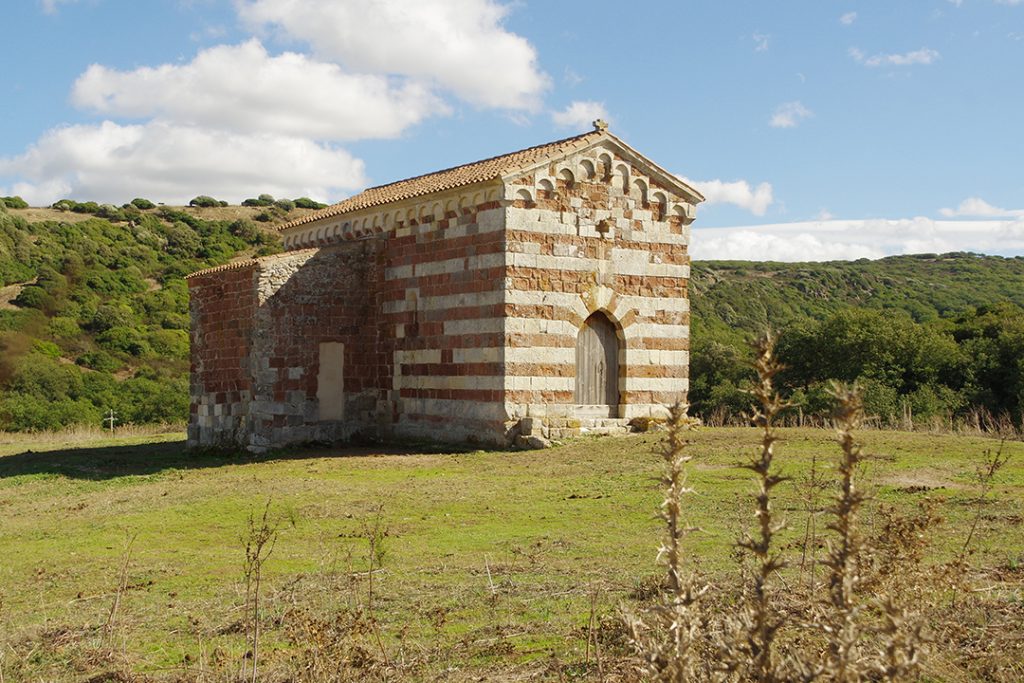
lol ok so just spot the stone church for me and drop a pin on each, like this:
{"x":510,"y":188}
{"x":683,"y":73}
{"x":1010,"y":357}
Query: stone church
{"x":535,"y":295}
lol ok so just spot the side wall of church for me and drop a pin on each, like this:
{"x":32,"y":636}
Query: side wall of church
{"x":592,"y":233}
{"x":222,"y":307}
{"x":441,"y":317}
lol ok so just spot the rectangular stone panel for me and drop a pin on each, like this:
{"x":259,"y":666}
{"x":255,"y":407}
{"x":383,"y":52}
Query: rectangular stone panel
{"x":330,"y":382}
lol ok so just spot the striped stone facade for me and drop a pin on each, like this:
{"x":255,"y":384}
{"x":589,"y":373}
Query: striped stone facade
{"x":454,"y":314}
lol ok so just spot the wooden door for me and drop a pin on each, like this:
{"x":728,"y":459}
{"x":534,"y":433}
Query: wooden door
{"x":597,"y":367}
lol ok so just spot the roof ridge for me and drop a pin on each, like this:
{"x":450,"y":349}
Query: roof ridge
{"x":378,"y":195}
{"x":479,"y":161}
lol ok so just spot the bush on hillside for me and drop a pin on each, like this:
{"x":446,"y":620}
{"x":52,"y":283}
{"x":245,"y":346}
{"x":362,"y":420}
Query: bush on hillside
{"x":86,"y":207}
{"x":142,"y":204}
{"x":64,"y":205}
{"x":98,"y":360}
{"x":126,"y":340}
{"x":13,"y":202}
{"x":262,"y":200}
{"x":111,"y":213}
{"x":285,"y":204}
{"x":204,"y":201}
{"x":307,"y":203}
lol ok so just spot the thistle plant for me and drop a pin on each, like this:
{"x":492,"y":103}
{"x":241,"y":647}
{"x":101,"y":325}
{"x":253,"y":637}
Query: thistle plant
{"x":666,"y":638}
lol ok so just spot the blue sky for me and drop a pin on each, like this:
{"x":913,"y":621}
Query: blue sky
{"x":816,"y":129}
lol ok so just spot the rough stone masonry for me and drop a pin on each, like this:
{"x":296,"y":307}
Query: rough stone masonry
{"x":536,"y":295}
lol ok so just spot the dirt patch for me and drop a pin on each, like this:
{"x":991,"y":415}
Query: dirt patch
{"x":10,"y":293}
{"x":918,"y":482}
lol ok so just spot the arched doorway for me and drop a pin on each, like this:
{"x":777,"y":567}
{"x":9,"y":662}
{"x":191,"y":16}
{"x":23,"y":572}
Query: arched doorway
{"x":597,"y":368}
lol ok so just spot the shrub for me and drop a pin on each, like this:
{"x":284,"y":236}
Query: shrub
{"x":263,"y":217}
{"x":182,"y":240}
{"x":285,"y":204}
{"x":14,"y":202}
{"x":262,"y":200}
{"x":99,"y":360}
{"x":170,"y":343}
{"x":35,"y":297}
{"x":142,"y":204}
{"x":111,"y":213}
{"x":64,"y":205}
{"x":47,"y":348}
{"x":86,"y":207}
{"x":24,"y":412}
{"x":245,"y":230}
{"x":124,"y":340}
{"x":63,"y":328}
{"x":111,"y":315}
{"x":204,"y":201}
{"x":307,"y":203}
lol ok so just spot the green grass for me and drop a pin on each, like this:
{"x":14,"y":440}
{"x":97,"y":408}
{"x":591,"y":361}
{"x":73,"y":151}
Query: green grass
{"x":507,"y":547}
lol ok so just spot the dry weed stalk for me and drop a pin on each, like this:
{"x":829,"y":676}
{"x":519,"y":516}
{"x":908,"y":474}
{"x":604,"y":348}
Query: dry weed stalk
{"x":898,"y":640}
{"x":845,"y":551}
{"x":985,"y":476}
{"x":667,"y":635}
{"x":259,"y":545}
{"x":760,"y":620}
{"x":122,"y":585}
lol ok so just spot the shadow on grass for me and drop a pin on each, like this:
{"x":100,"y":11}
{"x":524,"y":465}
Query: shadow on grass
{"x":110,"y":462}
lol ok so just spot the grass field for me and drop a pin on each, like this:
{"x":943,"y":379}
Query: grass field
{"x":491,"y":562}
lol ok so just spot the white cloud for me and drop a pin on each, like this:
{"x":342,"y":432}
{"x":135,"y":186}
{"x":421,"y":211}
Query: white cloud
{"x":824,"y":215}
{"x":977,"y":207}
{"x":755,"y":245}
{"x":580,"y":114}
{"x":459,"y":44}
{"x":853,"y":239}
{"x":789,"y":115}
{"x":738,"y":193}
{"x":241,"y":87}
{"x":848,"y":18}
{"x":923,"y":56}
{"x":51,"y":6}
{"x":166,"y":162}
{"x":761,"y":41}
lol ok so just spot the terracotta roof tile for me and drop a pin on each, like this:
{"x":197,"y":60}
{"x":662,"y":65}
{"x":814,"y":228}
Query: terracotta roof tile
{"x":247,"y":263}
{"x":459,"y":176}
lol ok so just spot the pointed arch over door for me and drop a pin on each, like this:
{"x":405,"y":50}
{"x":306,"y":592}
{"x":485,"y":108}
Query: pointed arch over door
{"x":597,"y":367}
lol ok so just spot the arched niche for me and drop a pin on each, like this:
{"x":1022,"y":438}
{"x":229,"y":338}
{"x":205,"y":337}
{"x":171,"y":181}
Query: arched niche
{"x":587,"y":169}
{"x":621,"y":178}
{"x":640,"y":192}
{"x":545,"y":189}
{"x":566,"y":179}
{"x":659,"y":205}
{"x":604,"y":166}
